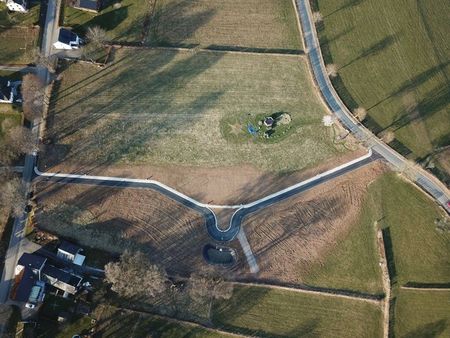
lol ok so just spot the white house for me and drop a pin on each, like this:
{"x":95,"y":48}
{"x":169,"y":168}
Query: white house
{"x":67,"y":40}
{"x":10,"y":91}
{"x":17,"y":5}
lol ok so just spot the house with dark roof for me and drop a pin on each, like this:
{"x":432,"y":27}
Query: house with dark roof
{"x":17,"y":5}
{"x":33,"y":273}
{"x":61,"y":279}
{"x":28,"y":273}
{"x":67,"y":40}
{"x":10,"y":91}
{"x":70,"y":252}
{"x":34,"y":263}
{"x":86,"y":5}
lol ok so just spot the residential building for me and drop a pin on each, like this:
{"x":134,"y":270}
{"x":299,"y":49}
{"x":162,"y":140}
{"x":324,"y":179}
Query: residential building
{"x":10,"y":91}
{"x":62,"y":280}
{"x":67,"y":40}
{"x":17,"y":5}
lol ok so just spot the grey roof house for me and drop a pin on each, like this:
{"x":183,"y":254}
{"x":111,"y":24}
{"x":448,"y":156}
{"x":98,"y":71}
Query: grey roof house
{"x":10,"y":91}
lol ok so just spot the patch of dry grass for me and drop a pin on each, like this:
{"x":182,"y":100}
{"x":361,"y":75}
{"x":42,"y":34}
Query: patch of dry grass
{"x":250,"y":23}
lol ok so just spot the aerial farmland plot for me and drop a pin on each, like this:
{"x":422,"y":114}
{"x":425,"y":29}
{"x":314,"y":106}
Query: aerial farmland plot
{"x":205,"y":134}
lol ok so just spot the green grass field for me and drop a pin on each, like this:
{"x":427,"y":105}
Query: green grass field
{"x":353,"y":264}
{"x":122,"y":23}
{"x":420,"y":249}
{"x":271,"y":313}
{"x":422,"y":314}
{"x":233,"y":23}
{"x":169,"y":107}
{"x":393,"y":59}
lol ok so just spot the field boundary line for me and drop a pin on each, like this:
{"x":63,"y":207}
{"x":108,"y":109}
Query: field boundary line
{"x":230,"y":50}
{"x":353,"y":295}
{"x":386,"y":280}
{"x":416,"y":288}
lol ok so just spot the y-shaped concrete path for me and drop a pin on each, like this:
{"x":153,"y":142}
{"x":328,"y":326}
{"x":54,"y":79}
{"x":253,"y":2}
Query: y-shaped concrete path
{"x":206,"y":210}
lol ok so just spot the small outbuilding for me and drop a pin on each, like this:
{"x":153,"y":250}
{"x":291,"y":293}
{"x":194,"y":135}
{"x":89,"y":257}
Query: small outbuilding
{"x":71,"y":252}
{"x":269,"y":121}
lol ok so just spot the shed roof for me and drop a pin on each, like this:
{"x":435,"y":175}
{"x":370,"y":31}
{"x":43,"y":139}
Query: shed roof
{"x":69,"y":247}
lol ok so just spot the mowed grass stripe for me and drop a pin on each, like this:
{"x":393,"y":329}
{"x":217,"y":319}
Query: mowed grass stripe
{"x":393,"y":59}
{"x":422,"y":313}
{"x":274,"y":313}
{"x":166,"y":107}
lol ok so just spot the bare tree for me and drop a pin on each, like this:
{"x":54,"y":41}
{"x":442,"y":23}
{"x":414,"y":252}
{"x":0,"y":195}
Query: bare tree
{"x":387,"y":136}
{"x":40,"y":59}
{"x":207,"y":285}
{"x":33,"y":90}
{"x":134,"y":275}
{"x":317,"y":17}
{"x":20,"y":140}
{"x":96,"y":38}
{"x":96,"y":35}
{"x":360,"y":113}
{"x":12,"y":194}
{"x":332,"y":70}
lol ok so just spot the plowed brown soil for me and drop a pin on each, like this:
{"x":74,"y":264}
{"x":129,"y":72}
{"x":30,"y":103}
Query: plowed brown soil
{"x":289,"y":237}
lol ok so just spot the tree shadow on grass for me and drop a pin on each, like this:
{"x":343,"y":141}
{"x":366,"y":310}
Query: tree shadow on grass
{"x":141,"y":82}
{"x":172,"y":26}
{"x":373,"y":50}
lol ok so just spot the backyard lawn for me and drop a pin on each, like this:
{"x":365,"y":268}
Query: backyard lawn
{"x":18,"y":35}
{"x":169,"y":107}
{"x":422,"y":313}
{"x":264,"y":312}
{"x":393,"y":59}
{"x":122,"y":20}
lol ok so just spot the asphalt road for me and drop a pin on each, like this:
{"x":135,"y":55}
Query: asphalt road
{"x":420,"y":176}
{"x":16,"y":243}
